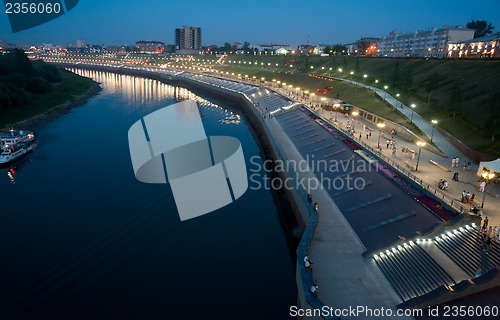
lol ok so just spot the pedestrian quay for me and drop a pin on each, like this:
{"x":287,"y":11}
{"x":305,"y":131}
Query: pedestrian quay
{"x":417,"y":269}
{"x":369,"y":247}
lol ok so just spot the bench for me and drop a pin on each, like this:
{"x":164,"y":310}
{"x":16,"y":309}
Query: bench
{"x":409,"y":166}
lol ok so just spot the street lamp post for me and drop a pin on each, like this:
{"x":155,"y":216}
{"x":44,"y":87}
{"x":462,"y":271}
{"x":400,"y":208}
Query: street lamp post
{"x":412,"y":107}
{"x":420,"y":144}
{"x":434,"y":122}
{"x":487,"y":176}
{"x":380,"y":125}
{"x":354,"y":114}
{"x":335,"y":106}
{"x":385,"y":92}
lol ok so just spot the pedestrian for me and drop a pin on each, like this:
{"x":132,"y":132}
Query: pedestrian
{"x":314,"y":289}
{"x":367,"y":136}
{"x":463,"y":196}
{"x":308,"y":264}
{"x":394,"y":151}
{"x":467,"y":197}
{"x":485,"y":223}
{"x":360,"y":136}
{"x":453,"y":163}
{"x":490,"y":230}
{"x":455,"y":176}
{"x":370,"y":134}
{"x":478,"y":273}
{"x":457,"y":162}
{"x":388,"y":143}
{"x":472,"y":197}
{"x":487,"y":245}
{"x":482,"y":185}
{"x":413,"y":155}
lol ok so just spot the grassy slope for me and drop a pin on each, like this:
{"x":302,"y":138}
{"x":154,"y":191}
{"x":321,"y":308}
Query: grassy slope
{"x":71,"y":85}
{"x":479,"y":79}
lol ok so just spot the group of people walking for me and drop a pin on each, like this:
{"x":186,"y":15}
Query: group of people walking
{"x":467,"y":197}
{"x":489,"y":233}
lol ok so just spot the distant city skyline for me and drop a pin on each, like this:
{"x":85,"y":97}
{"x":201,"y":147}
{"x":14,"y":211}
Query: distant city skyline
{"x":288,"y":22}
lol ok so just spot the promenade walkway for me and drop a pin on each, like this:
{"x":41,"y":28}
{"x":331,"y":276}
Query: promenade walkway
{"x":427,"y":171}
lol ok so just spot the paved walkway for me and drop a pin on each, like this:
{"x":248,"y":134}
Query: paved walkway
{"x":428,"y":172}
{"x":336,"y":248}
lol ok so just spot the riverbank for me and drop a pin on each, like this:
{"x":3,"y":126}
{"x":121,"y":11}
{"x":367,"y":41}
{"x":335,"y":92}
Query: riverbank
{"x":72,"y":92}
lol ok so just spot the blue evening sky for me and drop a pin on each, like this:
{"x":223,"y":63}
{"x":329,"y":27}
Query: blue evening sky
{"x":259,"y":21}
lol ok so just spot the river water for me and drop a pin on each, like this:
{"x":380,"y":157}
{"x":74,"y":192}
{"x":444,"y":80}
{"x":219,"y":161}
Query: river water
{"x":81,"y":238}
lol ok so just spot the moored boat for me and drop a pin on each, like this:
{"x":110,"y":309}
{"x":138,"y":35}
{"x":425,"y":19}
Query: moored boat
{"x":13,"y":152}
{"x":15,"y":145}
{"x":15,"y":137}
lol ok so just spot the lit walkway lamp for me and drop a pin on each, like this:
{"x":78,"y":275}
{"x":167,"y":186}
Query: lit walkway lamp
{"x":420,"y":145}
{"x":412,"y":107}
{"x":385,"y":92}
{"x":434,"y":122}
{"x":354,"y":114}
{"x":487,"y":176}
{"x":380,"y":126}
{"x":335,"y":106}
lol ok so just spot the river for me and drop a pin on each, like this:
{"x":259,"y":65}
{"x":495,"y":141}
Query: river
{"x":81,"y":238}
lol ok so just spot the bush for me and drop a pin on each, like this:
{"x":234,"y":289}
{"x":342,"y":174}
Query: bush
{"x":37,"y":85}
{"x":50,"y":73}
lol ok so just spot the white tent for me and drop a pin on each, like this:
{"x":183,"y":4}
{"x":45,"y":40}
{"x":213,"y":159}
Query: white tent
{"x":492,"y":166}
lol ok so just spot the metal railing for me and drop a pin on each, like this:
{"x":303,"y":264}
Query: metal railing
{"x":455,"y":204}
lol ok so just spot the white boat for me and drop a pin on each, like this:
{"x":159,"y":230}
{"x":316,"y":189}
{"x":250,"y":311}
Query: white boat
{"x":15,"y":137}
{"x":13,"y":152}
{"x":15,"y":145}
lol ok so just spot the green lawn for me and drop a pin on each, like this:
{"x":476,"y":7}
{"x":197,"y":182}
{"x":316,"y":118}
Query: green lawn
{"x":460,"y":94}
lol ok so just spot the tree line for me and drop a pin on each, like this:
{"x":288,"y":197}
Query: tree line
{"x":20,"y":78}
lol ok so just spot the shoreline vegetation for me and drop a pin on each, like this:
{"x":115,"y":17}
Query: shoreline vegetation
{"x":34,"y":91}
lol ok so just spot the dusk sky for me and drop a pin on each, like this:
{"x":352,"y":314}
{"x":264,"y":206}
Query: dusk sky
{"x":260,"y":21}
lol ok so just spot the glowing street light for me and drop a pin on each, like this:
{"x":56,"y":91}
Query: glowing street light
{"x":434,"y":122}
{"x":354,"y":114}
{"x":412,"y":107}
{"x":420,"y":145}
{"x":380,"y":125}
{"x":335,"y":106}
{"x":487,"y":176}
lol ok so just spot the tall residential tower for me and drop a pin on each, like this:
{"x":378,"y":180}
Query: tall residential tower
{"x":188,"y":38}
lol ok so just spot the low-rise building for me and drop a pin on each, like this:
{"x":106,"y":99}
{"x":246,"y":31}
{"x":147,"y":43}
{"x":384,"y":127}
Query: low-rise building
{"x":484,"y":47}
{"x":150,"y":46}
{"x":429,"y":43}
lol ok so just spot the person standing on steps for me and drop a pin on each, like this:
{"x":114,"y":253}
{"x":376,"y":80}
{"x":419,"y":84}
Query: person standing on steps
{"x":485,"y":224}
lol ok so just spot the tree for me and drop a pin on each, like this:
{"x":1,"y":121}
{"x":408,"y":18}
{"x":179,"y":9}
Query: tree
{"x":246,"y":46}
{"x":327,"y":50}
{"x":482,"y":27}
{"x":50,"y":73}
{"x":455,"y":103}
{"x":339,"y":49}
{"x":396,"y":74}
{"x":22,"y":63}
{"x":493,"y":124}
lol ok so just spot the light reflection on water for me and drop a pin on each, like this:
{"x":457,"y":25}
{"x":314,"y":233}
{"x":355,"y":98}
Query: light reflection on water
{"x":80,"y":237}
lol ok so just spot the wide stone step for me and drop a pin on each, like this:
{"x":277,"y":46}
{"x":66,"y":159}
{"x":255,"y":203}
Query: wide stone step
{"x":411,"y":271}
